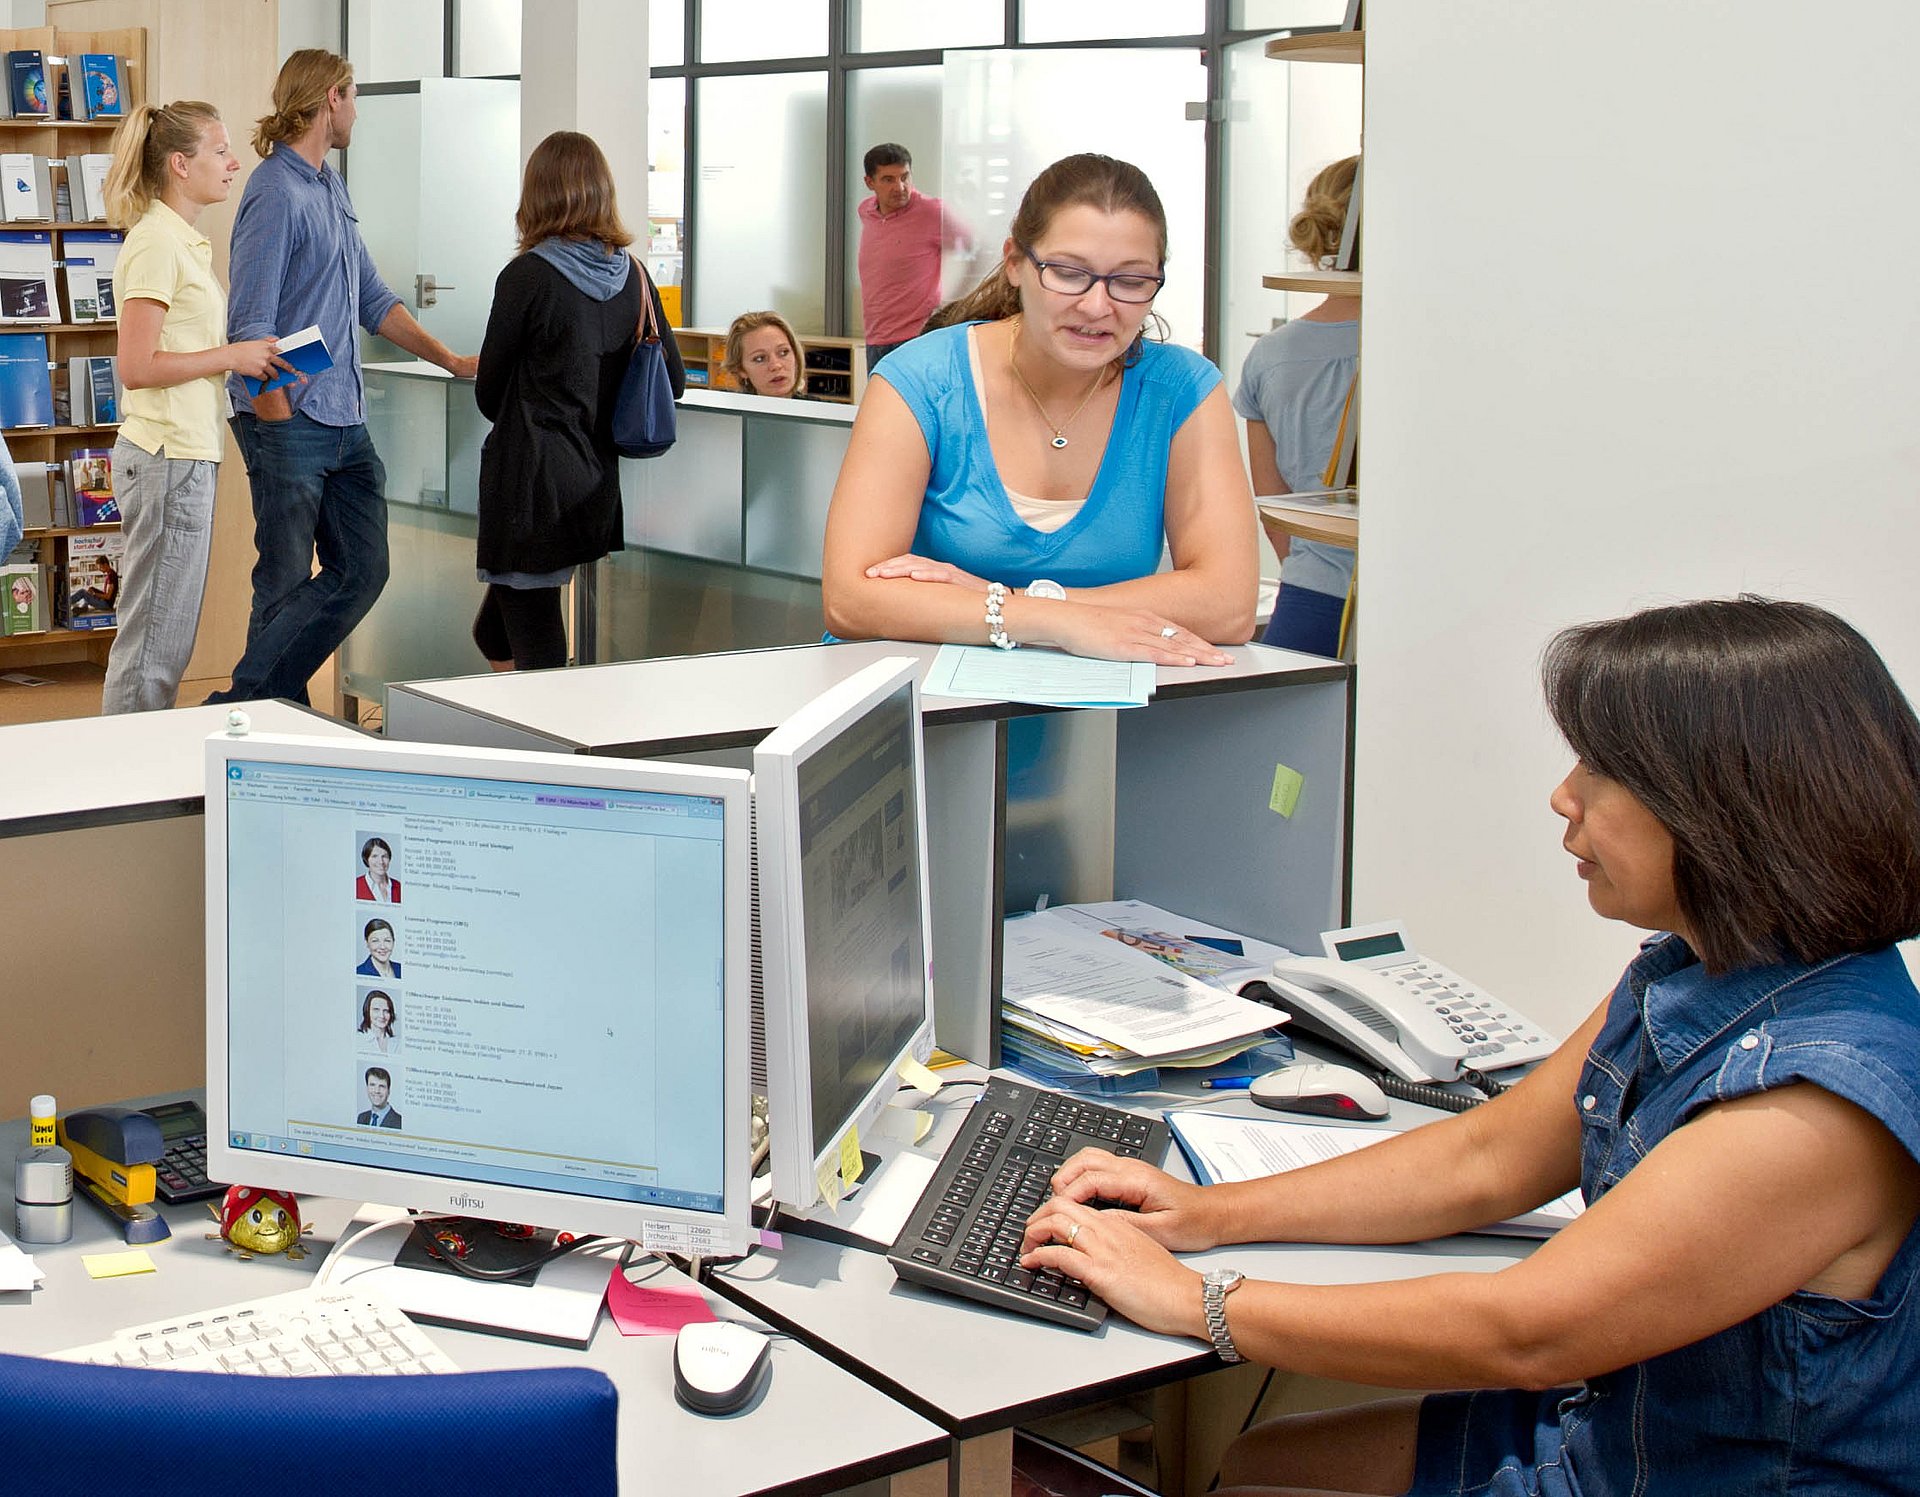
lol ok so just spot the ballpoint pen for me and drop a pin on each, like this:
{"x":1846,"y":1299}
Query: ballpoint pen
{"x":1228,"y":1083}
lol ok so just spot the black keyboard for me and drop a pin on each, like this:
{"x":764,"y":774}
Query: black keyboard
{"x":964,"y":1233}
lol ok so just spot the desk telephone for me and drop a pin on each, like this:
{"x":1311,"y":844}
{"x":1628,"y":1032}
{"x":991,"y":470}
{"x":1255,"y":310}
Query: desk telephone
{"x":1373,"y":994}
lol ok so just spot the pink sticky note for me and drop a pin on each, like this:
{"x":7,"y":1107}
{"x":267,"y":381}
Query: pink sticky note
{"x":640,"y":1310}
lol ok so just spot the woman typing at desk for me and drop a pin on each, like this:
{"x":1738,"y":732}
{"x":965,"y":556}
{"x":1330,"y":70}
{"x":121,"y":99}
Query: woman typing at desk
{"x":1011,"y":478}
{"x":1738,"y":1310}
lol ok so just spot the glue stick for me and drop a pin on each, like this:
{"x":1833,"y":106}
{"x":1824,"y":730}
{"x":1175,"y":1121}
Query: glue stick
{"x":41,"y":1111}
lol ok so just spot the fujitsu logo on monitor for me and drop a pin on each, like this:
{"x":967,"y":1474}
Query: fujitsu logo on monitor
{"x":465,"y":1202}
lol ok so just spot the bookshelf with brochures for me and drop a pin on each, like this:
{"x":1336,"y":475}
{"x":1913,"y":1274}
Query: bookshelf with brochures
{"x":59,"y":388}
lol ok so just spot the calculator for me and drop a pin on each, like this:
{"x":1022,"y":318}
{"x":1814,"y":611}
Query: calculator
{"x":182,"y":1171}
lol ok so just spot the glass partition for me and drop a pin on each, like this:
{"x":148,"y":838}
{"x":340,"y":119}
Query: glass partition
{"x":486,"y":38}
{"x":667,"y":191}
{"x":890,"y":26}
{"x":747,"y":30}
{"x":1007,"y":114}
{"x":1076,"y":21}
{"x":890,"y":104}
{"x":396,"y":41}
{"x":666,"y":35}
{"x":759,"y":240}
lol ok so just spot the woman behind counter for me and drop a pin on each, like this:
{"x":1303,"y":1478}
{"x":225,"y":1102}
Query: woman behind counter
{"x":565,"y":313}
{"x":1738,"y":1309}
{"x":766,"y":356}
{"x":1293,"y":391}
{"x":1011,"y":478}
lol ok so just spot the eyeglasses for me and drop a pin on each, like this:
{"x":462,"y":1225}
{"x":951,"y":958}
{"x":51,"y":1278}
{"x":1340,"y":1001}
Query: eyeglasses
{"x":1077,"y":280}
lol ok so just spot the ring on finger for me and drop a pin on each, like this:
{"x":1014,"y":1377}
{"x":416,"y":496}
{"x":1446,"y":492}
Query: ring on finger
{"x":1072,"y":1232}
{"x":1169,"y":631}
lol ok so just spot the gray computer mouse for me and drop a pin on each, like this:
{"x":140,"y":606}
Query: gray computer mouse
{"x":1320,"y":1091}
{"x":718,"y":1365}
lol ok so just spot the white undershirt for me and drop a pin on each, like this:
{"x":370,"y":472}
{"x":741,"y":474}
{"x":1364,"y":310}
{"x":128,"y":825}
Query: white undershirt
{"x":1044,"y":515}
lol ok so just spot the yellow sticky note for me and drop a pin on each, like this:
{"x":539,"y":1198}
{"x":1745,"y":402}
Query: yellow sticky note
{"x":919,"y":1077}
{"x":850,"y":1163}
{"x":1287,"y":784}
{"x":117,"y":1265}
{"x":922,"y":1125}
{"x":828,"y":1179}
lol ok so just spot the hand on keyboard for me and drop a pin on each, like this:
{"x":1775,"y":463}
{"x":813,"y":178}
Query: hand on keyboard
{"x":1109,"y":1253}
{"x":1174,"y":1213}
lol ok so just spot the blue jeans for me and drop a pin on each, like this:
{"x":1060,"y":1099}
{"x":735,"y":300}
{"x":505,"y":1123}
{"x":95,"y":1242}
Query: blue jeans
{"x":316,"y":490}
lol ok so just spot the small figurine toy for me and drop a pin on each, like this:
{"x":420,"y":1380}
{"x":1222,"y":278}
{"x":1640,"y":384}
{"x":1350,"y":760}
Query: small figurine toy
{"x":253,"y":1220}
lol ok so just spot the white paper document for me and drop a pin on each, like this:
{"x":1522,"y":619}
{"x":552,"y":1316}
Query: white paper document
{"x":1073,"y":975}
{"x":1223,"y":1149}
{"x":1045,"y":678}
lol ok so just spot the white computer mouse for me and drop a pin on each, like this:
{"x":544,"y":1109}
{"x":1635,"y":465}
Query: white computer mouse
{"x":718,"y":1365}
{"x":1320,"y":1090}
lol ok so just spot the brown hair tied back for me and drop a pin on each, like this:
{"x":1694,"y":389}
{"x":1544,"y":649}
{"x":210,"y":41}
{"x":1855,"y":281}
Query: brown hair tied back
{"x":143,"y":144}
{"x":1315,"y":230}
{"x":299,"y":94}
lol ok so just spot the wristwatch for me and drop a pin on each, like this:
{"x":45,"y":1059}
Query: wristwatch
{"x":1215,"y":1287}
{"x":1046,"y":587}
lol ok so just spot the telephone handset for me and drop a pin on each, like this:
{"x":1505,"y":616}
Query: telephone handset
{"x":1372,"y":993}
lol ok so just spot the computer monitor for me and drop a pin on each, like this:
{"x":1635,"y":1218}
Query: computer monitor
{"x":839,"y":801}
{"x":508,"y":985}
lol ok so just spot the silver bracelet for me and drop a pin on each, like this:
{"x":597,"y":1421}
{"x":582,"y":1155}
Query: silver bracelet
{"x":997,"y":635}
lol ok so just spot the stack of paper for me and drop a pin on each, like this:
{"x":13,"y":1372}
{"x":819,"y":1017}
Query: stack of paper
{"x":1224,"y":1149}
{"x":1111,"y":989}
{"x":16,"y":1268}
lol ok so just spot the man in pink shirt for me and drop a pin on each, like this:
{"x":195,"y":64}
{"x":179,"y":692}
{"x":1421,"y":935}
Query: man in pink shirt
{"x":901,"y":235}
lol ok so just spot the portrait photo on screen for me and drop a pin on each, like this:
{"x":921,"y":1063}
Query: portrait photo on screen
{"x":376,"y":944}
{"x":376,"y":1018}
{"x":379,"y":1106}
{"x":377,"y":881}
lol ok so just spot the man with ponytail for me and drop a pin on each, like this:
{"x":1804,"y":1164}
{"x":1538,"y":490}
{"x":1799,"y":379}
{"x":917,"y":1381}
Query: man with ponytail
{"x":168,"y":164}
{"x":318,"y":485}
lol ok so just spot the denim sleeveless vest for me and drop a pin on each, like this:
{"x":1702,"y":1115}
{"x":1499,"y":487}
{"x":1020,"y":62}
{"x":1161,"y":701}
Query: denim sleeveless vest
{"x":1814,"y":1396}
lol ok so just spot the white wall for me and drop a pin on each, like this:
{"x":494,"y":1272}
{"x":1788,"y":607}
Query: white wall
{"x":1642,"y":322}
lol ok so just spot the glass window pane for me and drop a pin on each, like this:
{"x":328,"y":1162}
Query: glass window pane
{"x":396,"y":41}
{"x":487,"y":38}
{"x":1008,"y":114}
{"x":744,"y":30}
{"x":759,"y":235}
{"x":1281,"y":15}
{"x":1076,"y":21}
{"x":666,"y":34}
{"x":308,"y":23}
{"x":889,"y":104}
{"x":910,"y":26}
{"x":667,"y":188}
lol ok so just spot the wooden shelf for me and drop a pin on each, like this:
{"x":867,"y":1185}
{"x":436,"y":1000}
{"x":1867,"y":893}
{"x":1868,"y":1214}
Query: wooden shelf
{"x":1320,"y":46}
{"x":57,"y":635}
{"x":55,"y":431}
{"x":107,"y":323}
{"x":1320,"y":282}
{"x":48,"y":532}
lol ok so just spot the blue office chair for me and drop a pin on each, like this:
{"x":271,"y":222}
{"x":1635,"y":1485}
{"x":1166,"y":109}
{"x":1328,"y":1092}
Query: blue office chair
{"x":66,"y":1427}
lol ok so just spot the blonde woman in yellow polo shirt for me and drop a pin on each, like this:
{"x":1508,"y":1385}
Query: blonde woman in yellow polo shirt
{"x":168,"y":164}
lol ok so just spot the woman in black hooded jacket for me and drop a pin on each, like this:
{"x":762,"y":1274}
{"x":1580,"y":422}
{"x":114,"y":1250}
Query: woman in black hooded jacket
{"x":562,"y":327}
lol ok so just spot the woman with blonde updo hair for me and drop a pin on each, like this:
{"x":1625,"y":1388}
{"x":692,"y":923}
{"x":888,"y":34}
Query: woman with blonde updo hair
{"x":766,"y":356}
{"x":1293,"y":392}
{"x":1014,"y":477}
{"x":168,"y":164}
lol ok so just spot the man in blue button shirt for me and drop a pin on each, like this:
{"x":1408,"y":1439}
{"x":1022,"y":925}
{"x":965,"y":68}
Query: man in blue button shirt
{"x":298,"y":260}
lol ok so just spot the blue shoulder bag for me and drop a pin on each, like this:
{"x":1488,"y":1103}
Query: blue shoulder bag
{"x":643,"y":412}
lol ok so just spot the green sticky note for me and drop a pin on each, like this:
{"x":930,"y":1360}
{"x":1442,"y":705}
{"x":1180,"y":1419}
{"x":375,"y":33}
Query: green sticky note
{"x":1286,"y":790}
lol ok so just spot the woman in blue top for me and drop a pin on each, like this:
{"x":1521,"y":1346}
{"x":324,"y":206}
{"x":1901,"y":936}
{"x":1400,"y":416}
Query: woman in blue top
{"x":1738,"y":1309}
{"x":1012,"y":478}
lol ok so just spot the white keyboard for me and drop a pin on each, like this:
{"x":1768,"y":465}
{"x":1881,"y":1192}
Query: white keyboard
{"x":311,"y":1332}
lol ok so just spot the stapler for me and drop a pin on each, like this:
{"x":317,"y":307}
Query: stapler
{"x":114,"y":1150}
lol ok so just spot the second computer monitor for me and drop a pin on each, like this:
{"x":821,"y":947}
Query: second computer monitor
{"x":839,"y":791}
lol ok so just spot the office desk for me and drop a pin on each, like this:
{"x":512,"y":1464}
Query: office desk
{"x":1170,"y":803}
{"x":977,"y":1372}
{"x":103,"y":842}
{"x":816,"y":1428}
